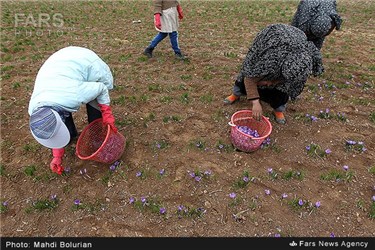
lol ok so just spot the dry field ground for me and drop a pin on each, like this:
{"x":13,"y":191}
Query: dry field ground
{"x":172,"y":115}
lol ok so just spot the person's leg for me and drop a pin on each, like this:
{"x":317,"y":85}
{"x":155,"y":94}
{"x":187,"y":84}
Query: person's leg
{"x":173,"y":37}
{"x":155,"y":41}
{"x":69,"y":123}
{"x":277,"y":101}
{"x":238,"y":90}
{"x":93,"y":111}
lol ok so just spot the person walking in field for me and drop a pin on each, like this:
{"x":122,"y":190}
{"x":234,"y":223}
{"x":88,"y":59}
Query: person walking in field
{"x":276,"y":68}
{"x":70,"y":77}
{"x":167,"y":14}
{"x":317,"y":18}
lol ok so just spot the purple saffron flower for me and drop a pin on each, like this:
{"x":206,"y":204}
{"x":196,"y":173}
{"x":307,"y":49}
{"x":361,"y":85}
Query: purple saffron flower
{"x":350,"y":142}
{"x":328,"y":151}
{"x":345,"y":168}
{"x":317,"y":204}
{"x":314,"y":118}
{"x":77,"y":202}
{"x":331,"y":235}
{"x":245,"y":179}
{"x":53,"y":197}
{"x":284,"y":195}
{"x":158,"y":145}
{"x":277,"y":235}
{"x":197,"y":178}
{"x":143,"y":199}
{"x":67,"y":170}
{"x":308,"y":147}
{"x":112,"y":167}
{"x":138,"y":174}
{"x":180,"y":208}
{"x":221,"y":146}
{"x":232,"y":195}
{"x":207,"y":172}
{"x":192,"y":174}
{"x":267,"y":192}
{"x":162,"y":210}
{"x":5,"y":203}
{"x":269,"y":170}
{"x":162,"y":171}
{"x":131,"y":200}
{"x":300,"y":202}
{"x":373,"y":198}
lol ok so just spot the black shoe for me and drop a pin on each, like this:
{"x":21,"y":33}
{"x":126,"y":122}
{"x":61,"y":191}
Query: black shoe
{"x":180,"y":56}
{"x":148,"y":52}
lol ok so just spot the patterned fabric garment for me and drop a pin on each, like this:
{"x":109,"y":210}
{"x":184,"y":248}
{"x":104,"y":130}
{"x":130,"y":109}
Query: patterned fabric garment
{"x":282,"y":52}
{"x":315,"y":18}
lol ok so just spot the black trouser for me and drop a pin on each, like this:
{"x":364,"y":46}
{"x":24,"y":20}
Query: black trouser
{"x":92,"y":114}
{"x":275,"y":98}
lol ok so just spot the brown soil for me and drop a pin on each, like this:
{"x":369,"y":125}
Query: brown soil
{"x":165,"y":107}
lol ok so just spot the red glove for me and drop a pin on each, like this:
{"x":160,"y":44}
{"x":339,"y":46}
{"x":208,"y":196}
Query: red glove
{"x":108,"y":116}
{"x":56,"y":162}
{"x":179,"y":10}
{"x":157,"y":21}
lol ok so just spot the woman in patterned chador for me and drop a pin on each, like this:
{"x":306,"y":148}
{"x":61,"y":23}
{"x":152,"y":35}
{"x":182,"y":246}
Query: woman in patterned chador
{"x":276,"y":68}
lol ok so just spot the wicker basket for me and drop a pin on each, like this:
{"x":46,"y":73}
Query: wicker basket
{"x":245,"y":142}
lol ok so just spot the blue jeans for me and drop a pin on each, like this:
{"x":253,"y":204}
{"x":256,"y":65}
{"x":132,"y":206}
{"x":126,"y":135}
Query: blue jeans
{"x":173,"y":37}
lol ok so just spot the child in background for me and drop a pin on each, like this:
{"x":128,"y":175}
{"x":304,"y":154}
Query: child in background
{"x":166,"y":20}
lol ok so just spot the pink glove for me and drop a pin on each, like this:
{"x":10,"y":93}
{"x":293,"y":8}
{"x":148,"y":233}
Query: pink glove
{"x":108,"y":116}
{"x":56,"y":162}
{"x":157,"y":21}
{"x":179,"y":10}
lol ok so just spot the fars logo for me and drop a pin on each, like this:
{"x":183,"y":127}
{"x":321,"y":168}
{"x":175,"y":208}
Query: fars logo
{"x":293,"y":244}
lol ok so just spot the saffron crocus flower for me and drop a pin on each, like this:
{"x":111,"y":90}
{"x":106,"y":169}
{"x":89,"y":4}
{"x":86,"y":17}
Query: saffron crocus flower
{"x":53,"y":197}
{"x":67,"y":170}
{"x":284,"y":195}
{"x":143,"y":199}
{"x":192,"y":174}
{"x":331,"y":235}
{"x":162,"y":171}
{"x":197,"y":178}
{"x":131,"y":200}
{"x":180,"y":208}
{"x":5,"y":203}
{"x":373,"y":198}
{"x":245,"y":179}
{"x":300,"y":202}
{"x":77,"y":202}
{"x":162,"y":210}
{"x":207,"y":172}
{"x":345,"y":168}
{"x":277,"y":235}
{"x":138,"y":174}
{"x":112,"y":167}
{"x":317,"y":204}
{"x":308,"y":147}
{"x":267,"y":191}
{"x":269,"y":170}
{"x":328,"y":151}
{"x":232,"y":195}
